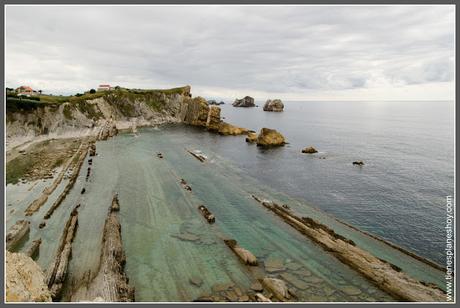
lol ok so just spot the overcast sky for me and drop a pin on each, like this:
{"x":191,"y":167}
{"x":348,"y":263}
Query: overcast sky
{"x":287,"y":52}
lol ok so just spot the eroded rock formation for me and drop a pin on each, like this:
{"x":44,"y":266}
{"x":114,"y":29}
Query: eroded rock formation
{"x":24,"y":280}
{"x":111,"y":282}
{"x":275,"y":105}
{"x":269,"y":138}
{"x":57,"y":271}
{"x":245,"y":255}
{"x":309,"y":150}
{"x":386,"y":276}
{"x":247,"y":101}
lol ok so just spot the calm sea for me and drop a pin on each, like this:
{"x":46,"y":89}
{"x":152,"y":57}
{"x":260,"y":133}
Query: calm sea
{"x":408,"y":151}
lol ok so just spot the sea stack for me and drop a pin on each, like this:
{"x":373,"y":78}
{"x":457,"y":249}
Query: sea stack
{"x":270,"y":138}
{"x":275,"y":105}
{"x":247,"y":101}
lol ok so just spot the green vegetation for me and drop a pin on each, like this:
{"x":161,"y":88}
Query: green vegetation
{"x":123,"y":98}
{"x":14,"y":104}
{"x":17,"y":168}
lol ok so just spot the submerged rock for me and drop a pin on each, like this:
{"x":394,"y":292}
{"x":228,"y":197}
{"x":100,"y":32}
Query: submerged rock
{"x":296,"y":282}
{"x":273,"y":265}
{"x":256,"y":286}
{"x":269,"y":138}
{"x":24,"y":280}
{"x":247,"y":101}
{"x":309,"y":150}
{"x":196,"y":281}
{"x":275,"y":105}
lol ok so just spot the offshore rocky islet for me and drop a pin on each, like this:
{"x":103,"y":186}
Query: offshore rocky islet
{"x":177,"y":107}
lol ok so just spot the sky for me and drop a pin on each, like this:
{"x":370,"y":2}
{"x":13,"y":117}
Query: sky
{"x":225,"y":52}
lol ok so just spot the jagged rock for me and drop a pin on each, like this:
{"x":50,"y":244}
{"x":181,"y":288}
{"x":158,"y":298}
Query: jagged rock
{"x":229,"y":129}
{"x":195,"y":111}
{"x":309,"y":150}
{"x":247,"y":101}
{"x":214,"y":102}
{"x":358,"y":163}
{"x":275,"y":105}
{"x":251,"y":138}
{"x":213,"y":120}
{"x":24,"y":280}
{"x":270,"y":137}
{"x":278,"y":287}
{"x":20,"y":229}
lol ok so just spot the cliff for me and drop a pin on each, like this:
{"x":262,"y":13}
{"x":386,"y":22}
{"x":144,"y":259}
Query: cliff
{"x":56,"y":117}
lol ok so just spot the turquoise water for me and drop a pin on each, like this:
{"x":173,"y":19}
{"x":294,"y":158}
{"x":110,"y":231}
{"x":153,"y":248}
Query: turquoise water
{"x":155,"y":209}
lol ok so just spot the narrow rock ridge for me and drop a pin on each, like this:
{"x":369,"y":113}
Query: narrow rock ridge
{"x":57,"y":272}
{"x":245,"y":255}
{"x":111,"y":282}
{"x":16,"y":233}
{"x":386,"y":276}
{"x":37,"y":203}
{"x":69,"y":185}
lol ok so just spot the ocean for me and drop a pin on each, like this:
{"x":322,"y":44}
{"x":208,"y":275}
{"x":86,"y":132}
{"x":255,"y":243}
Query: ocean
{"x":399,"y":194}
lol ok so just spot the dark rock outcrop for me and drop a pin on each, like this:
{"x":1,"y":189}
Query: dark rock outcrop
{"x":270,"y":138}
{"x":358,"y":163}
{"x":247,"y":101}
{"x":275,"y":105}
{"x":309,"y":150}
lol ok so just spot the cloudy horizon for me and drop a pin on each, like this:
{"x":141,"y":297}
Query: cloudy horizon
{"x":224,"y":52}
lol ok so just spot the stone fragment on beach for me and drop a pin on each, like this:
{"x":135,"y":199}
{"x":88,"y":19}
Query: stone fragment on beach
{"x":231,"y":295}
{"x":350,"y":290}
{"x":293,"y":266}
{"x":257,"y":286}
{"x":197,"y":281}
{"x":219,"y":287}
{"x":273,"y":265}
{"x":309,"y":150}
{"x":278,"y":287}
{"x":261,"y":298}
{"x":296,"y":282}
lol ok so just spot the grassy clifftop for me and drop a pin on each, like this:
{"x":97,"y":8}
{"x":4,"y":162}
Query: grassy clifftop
{"x":122,"y":99}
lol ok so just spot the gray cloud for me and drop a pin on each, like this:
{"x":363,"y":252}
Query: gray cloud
{"x":288,"y":49}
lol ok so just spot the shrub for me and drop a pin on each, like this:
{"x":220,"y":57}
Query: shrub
{"x":92,"y":91}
